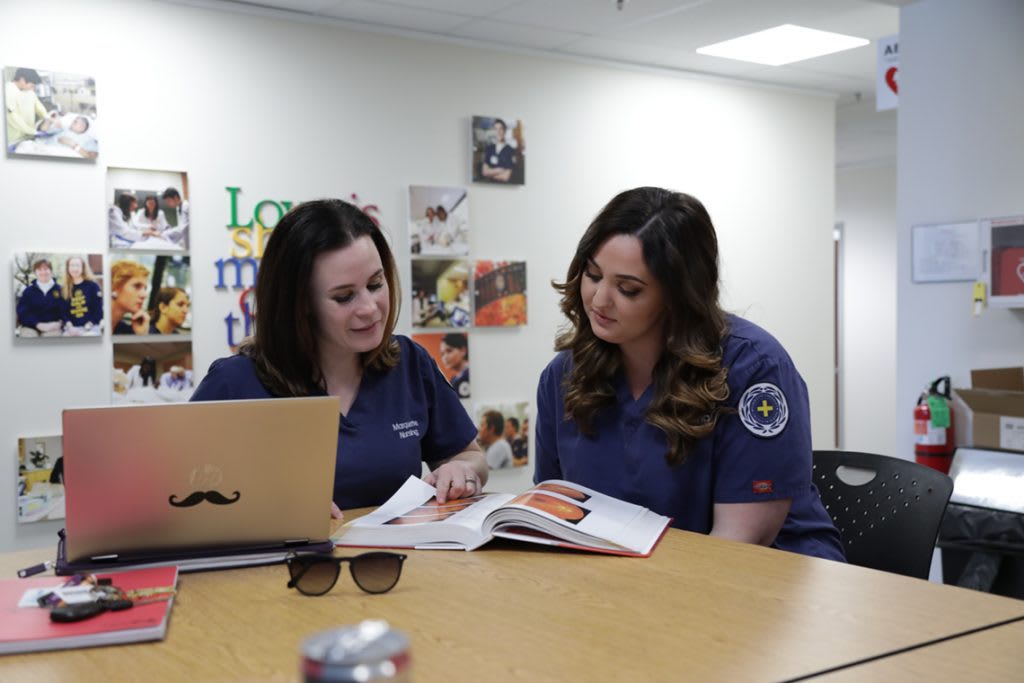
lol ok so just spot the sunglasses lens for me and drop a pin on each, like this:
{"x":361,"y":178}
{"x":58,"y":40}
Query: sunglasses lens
{"x":315,"y":576}
{"x":377,"y":572}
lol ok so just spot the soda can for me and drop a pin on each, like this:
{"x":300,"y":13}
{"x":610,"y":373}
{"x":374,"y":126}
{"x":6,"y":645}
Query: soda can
{"x":368,"y":651}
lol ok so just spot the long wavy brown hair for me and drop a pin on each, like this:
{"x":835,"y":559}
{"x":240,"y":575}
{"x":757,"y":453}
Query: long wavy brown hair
{"x":681,"y":251}
{"x":284,"y":344}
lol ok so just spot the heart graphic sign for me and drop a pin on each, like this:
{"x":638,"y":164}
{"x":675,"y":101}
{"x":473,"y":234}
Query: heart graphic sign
{"x":890,"y":79}
{"x":887,"y":72}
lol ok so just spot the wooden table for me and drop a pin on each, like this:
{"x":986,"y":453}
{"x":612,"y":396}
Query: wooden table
{"x":995,"y":654}
{"x":699,"y":609}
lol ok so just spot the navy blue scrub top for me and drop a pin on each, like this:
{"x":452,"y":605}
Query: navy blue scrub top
{"x":401,"y":418}
{"x":761,"y":452}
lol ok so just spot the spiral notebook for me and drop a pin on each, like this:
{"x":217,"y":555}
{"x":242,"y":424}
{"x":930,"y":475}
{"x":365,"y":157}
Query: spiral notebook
{"x":212,"y":483}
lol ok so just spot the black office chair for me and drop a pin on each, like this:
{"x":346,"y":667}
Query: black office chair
{"x":890,"y":522}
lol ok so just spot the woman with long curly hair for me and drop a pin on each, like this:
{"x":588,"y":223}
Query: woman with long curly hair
{"x":660,"y":398}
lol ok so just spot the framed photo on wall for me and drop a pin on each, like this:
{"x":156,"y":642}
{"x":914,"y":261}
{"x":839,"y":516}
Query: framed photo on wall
{"x":150,"y":294}
{"x":440,"y":293}
{"x":499,"y":293}
{"x":450,"y":350}
{"x":148,"y":210}
{"x":438,"y":221}
{"x":152,"y":372}
{"x":504,"y":430}
{"x":50,"y":113}
{"x":58,"y":295}
{"x":499,"y":150}
{"x":40,"y":478}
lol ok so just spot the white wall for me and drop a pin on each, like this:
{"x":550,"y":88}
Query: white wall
{"x":960,"y":148}
{"x":866,"y":206}
{"x":294,"y":111}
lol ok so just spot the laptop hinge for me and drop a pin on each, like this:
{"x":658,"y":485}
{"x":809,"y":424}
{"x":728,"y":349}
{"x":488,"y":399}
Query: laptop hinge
{"x":104,"y":558}
{"x":296,"y":541}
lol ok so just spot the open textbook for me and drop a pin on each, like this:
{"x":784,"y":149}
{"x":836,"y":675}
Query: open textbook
{"x":553,"y":512}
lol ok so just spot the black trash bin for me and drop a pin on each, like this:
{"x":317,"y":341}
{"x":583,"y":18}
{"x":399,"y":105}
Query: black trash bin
{"x":982,"y":532}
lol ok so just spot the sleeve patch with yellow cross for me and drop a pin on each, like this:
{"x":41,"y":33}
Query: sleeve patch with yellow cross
{"x":763,"y":410}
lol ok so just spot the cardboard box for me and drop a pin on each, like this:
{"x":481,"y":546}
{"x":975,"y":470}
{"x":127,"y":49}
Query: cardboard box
{"x":991,"y":413}
{"x":1003,"y":379}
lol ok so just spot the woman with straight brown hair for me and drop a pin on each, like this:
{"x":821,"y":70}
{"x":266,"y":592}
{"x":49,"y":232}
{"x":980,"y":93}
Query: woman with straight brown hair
{"x":327,"y":299}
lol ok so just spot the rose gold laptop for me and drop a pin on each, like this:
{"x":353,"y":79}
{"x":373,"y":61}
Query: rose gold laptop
{"x":213,"y":479}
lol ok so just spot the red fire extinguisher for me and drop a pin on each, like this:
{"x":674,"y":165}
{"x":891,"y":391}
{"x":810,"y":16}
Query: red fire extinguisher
{"x":934,"y":437}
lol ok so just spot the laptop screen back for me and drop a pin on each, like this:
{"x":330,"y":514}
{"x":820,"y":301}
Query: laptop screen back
{"x":151,"y":478}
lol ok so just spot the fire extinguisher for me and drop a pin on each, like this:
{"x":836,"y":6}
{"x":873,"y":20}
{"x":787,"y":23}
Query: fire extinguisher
{"x":934,"y":437}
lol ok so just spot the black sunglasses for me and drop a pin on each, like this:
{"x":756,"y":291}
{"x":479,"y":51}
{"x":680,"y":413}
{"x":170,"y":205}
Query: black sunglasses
{"x":375,"y":572}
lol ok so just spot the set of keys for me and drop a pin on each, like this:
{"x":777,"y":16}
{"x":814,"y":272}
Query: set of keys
{"x":84,"y":596}
{"x":86,"y":610}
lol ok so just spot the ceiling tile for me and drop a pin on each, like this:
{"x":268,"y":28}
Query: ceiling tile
{"x":589,"y":16}
{"x":469,"y":8}
{"x":859,"y":61}
{"x":718,"y":20}
{"x":653,"y":55}
{"x":304,"y":6}
{"x":395,"y":16}
{"x":808,"y":78}
{"x":504,"y":33}
{"x":864,"y":21}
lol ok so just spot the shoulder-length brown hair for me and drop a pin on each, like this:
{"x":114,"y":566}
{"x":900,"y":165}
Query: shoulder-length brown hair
{"x":284,"y":344}
{"x":680,"y":249}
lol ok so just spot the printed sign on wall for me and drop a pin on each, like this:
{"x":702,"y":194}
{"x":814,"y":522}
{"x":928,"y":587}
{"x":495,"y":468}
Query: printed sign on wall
{"x":887,"y":88}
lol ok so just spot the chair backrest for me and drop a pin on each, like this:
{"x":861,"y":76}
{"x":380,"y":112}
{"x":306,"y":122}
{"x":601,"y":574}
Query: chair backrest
{"x":890,"y":522}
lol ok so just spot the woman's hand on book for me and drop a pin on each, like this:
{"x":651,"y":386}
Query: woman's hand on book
{"x":454,"y":479}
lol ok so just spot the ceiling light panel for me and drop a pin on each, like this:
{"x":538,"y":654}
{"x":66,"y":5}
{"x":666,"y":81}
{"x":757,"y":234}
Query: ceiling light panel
{"x":783,"y":44}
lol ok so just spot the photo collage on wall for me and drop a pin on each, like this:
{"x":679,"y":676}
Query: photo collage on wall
{"x":57,"y":293}
{"x":148,"y":223}
{"x":140,"y":289}
{"x":451,"y":293}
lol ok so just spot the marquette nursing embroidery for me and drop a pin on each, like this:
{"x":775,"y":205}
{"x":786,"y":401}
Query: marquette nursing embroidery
{"x":763,"y":410}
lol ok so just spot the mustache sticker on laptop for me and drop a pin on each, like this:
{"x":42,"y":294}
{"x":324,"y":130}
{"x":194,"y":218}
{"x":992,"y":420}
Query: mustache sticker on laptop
{"x":215,"y":497}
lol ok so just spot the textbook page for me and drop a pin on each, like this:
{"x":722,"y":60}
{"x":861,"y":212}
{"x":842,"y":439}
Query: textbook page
{"x":413,"y":518}
{"x":581,"y":516}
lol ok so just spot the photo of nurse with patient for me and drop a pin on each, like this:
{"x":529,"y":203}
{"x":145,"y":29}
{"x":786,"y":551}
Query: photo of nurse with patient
{"x":50,"y":114}
{"x":327,"y":300}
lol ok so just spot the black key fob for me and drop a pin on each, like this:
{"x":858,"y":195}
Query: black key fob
{"x":116,"y":605}
{"x":76,"y":612}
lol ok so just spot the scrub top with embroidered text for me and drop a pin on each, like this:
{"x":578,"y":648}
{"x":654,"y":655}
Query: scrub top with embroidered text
{"x":760,"y":452}
{"x":400,"y":418}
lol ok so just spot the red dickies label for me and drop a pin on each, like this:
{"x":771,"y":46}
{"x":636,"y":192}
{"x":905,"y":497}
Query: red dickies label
{"x":763,"y":486}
